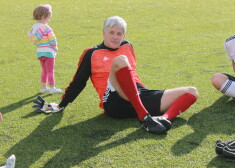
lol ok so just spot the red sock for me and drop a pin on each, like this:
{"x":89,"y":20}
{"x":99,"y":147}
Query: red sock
{"x":180,"y":105}
{"x":127,"y":83}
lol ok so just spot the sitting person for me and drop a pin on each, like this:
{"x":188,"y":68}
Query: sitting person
{"x":223,"y":82}
{"x":111,"y":66}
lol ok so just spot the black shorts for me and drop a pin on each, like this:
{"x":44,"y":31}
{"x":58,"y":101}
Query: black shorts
{"x":117,"y":107}
{"x":232,"y":78}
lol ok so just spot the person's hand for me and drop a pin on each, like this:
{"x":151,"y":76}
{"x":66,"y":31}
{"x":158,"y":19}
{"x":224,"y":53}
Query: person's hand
{"x":43,"y":107}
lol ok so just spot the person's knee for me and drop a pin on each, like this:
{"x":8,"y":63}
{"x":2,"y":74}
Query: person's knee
{"x":120,"y":62}
{"x":193,"y":91}
{"x":218,"y":80}
{"x":216,"y":77}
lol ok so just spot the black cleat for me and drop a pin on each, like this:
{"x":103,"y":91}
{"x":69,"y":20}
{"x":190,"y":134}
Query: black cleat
{"x":229,"y":152}
{"x":164,"y":121}
{"x":152,"y":125}
{"x":221,"y":145}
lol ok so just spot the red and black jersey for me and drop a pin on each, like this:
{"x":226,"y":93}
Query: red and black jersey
{"x":95,"y":63}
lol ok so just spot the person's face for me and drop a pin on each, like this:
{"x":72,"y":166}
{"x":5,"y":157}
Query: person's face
{"x":113,"y":37}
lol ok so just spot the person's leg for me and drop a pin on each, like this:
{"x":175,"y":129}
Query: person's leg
{"x":176,"y":101}
{"x":44,"y":72}
{"x":224,"y":83}
{"x":44,"y":78}
{"x":218,"y":80}
{"x":50,"y":64}
{"x":122,"y":79}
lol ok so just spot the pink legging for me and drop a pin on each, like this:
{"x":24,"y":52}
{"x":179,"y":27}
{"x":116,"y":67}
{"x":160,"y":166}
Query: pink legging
{"x":47,"y":70}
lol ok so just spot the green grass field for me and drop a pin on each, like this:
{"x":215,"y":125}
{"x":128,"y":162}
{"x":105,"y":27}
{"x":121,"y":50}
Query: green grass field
{"x":177,"y":43}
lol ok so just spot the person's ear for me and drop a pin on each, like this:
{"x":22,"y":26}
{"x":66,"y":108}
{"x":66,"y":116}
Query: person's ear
{"x":43,"y":17}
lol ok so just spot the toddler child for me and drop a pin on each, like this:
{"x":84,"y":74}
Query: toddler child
{"x":45,"y":40}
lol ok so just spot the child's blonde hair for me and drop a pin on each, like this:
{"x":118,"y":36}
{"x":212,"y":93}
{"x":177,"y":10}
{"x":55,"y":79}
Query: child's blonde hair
{"x":42,"y":11}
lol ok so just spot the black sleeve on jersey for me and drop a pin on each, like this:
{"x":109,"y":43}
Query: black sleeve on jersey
{"x":79,"y":81}
{"x":127,"y":42}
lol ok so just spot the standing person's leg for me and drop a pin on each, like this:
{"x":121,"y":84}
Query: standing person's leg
{"x":44,"y":88}
{"x":50,"y":64}
{"x":176,"y":101}
{"x":122,"y":79}
{"x":224,"y":83}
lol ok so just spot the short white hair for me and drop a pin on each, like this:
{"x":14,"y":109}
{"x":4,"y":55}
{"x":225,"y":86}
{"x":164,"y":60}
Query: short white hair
{"x":115,"y":21}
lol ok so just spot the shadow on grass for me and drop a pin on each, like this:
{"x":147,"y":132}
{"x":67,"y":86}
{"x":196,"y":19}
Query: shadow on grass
{"x":220,"y":162}
{"x":19,"y":104}
{"x":74,"y":143}
{"x":215,"y":119}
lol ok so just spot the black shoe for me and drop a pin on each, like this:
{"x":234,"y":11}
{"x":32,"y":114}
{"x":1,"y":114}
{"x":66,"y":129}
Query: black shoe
{"x":164,"y":121}
{"x":221,"y":145}
{"x":229,"y":152}
{"x":152,"y":125}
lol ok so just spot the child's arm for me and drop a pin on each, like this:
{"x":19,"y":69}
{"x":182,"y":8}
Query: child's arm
{"x":38,"y":34}
{"x":52,"y":39}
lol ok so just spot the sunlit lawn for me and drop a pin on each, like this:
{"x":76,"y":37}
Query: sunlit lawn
{"x":177,"y":43}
